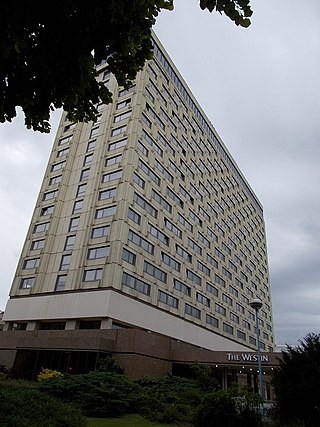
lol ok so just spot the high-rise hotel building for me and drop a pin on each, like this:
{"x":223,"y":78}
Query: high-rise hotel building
{"x":145,"y":221}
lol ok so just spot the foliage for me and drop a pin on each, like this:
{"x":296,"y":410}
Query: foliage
{"x":204,"y":375}
{"x":109,"y":364}
{"x":22,"y":404}
{"x":168,"y":399}
{"x":48,"y":55}
{"x":47,"y":374}
{"x":230,"y":408}
{"x":130,"y":420}
{"x":99,"y":394}
{"x":297,"y":382}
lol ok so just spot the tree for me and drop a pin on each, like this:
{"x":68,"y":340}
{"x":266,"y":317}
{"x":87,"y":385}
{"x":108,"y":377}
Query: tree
{"x":48,"y":55}
{"x":297,"y":382}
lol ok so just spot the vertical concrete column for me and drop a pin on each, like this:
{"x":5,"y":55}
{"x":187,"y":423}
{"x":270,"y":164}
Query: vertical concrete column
{"x":224,"y":378}
{"x":71,"y":324}
{"x":32,"y":325}
{"x":106,"y":323}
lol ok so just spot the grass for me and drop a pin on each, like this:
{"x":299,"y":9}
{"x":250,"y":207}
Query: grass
{"x":132,"y":420}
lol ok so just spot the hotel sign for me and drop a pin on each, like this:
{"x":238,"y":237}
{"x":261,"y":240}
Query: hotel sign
{"x":246,"y":357}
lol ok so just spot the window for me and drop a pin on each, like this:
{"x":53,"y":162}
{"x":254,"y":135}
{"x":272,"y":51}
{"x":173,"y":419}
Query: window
{"x":145,"y":205}
{"x":141,"y":242}
{"x":136,"y":218}
{"x":192,"y":311}
{"x":219,"y":309}
{"x":58,"y":166}
{"x":111,"y":176}
{"x":65,"y":262}
{"x":227,"y":328}
{"x":84,"y":174}
{"x":156,"y":196}
{"x":123,"y":92}
{"x":212,"y":261}
{"x":128,"y":256}
{"x":176,"y":169}
{"x":163,"y":170}
{"x":193,"y":277}
{"x":123,"y":104}
{"x":219,"y":280}
{"x":39,"y":228}
{"x":88,"y":160}
{"x":203,"y":299}
{"x":138,"y":180}
{"x":203,"y":268}
{"x":195,"y":218}
{"x":233,"y":290}
{"x":119,"y":130}
{"x":81,"y":190}
{"x":94,"y":132}
{"x":240,"y":308}
{"x":100,"y":252}
{"x":149,"y":172}
{"x":107,"y":194}
{"x":173,"y":228}
{"x":241,"y":335}
{"x":234,"y":317}
{"x":31,"y":263}
{"x":155,"y":272}
{"x":114,"y":160}
{"x":174,"y":197}
{"x":158,"y":234}
{"x":122,"y":116}
{"x":135,"y":283}
{"x":151,"y":142}
{"x":183,"y":253}
{"x":170,"y":261}
{"x":226,"y":273}
{"x":91,"y":145}
{"x":227,"y":299}
{"x":65,"y":140}
{"x":193,"y":245}
{"x":50,"y":195}
{"x":252,"y":340}
{"x":37,"y":244}
{"x":63,"y":152}
{"x":184,"y":222}
{"x":118,"y":144}
{"x":212,"y":234}
{"x":168,"y":299}
{"x":204,"y":240}
{"x":212,"y":289}
{"x":77,"y":206}
{"x":69,"y":243}
{"x":92,"y":275}
{"x":69,"y":127}
{"x":105,"y":212}
{"x":100,"y":232}
{"x":55,"y":180}
{"x":246,"y":324}
{"x":143,"y":149}
{"x":27,"y":282}
{"x":74,"y":222}
{"x":61,"y":282}
{"x":181,"y":287}
{"x":219,"y":254}
{"x":212,"y":321}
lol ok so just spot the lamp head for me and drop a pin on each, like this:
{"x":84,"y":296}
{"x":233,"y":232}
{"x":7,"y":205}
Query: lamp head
{"x":256,"y":303}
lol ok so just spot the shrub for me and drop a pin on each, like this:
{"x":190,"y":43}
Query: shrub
{"x":99,"y":394}
{"x":48,"y":374}
{"x":225,"y":409}
{"x":23,"y":405}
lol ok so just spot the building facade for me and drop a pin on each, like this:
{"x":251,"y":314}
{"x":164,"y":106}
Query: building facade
{"x":145,"y":221}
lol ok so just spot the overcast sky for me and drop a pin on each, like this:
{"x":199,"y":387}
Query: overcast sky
{"x":260,"y":87}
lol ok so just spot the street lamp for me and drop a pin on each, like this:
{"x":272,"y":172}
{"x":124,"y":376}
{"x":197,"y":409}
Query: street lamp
{"x":256,"y":304}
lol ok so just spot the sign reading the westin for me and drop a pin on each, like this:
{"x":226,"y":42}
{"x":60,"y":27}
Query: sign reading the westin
{"x":246,"y":357}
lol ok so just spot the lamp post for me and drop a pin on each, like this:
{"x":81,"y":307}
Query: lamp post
{"x":256,"y":304}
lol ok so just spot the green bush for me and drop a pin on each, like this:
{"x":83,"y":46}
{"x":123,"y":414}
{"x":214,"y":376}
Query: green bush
{"x":99,"y":394}
{"x":168,"y":399}
{"x":225,"y":408}
{"x":23,"y":405}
